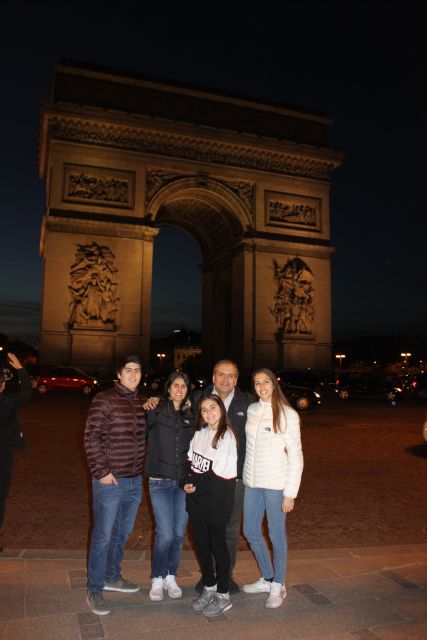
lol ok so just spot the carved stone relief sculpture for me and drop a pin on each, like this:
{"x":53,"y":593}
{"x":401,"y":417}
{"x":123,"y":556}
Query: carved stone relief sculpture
{"x":93,"y":288}
{"x":293,"y":308}
{"x":104,"y":187}
{"x":288,"y":210}
{"x":158,"y":178}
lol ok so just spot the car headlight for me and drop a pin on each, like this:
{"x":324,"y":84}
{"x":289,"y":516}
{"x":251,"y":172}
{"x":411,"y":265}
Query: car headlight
{"x":316,"y":394}
{"x":95,"y":381}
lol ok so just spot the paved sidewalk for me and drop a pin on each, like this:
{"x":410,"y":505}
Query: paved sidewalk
{"x":333,"y":594}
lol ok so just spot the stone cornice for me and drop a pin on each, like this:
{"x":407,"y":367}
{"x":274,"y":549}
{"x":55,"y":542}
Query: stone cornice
{"x":96,"y":228}
{"x":187,"y":143}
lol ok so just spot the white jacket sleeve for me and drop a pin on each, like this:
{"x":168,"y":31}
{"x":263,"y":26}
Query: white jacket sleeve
{"x":294,"y":454}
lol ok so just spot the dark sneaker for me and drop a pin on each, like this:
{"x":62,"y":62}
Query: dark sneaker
{"x":233,"y":587}
{"x":122,"y":585}
{"x":96,"y":603}
{"x":219,"y":604}
{"x":203,"y":601}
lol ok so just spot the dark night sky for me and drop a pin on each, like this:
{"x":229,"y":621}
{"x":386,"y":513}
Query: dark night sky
{"x":363,"y":64}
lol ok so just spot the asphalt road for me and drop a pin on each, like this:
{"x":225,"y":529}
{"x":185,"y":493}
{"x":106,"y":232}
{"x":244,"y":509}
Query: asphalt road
{"x":363,"y":484}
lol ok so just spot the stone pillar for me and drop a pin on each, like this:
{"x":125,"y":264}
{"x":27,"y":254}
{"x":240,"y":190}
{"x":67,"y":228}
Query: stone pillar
{"x":71,"y":331}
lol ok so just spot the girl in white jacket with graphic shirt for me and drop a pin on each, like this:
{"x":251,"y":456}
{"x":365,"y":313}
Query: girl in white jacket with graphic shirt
{"x":210,"y":497}
{"x":272,"y":476}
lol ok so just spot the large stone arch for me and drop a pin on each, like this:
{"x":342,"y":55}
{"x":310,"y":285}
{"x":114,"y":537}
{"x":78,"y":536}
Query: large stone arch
{"x":250,"y":182}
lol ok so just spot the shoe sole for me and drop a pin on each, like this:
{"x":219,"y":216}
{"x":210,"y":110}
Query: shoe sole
{"x":275,"y":606}
{"x":122,"y":590}
{"x":154,"y":598}
{"x":97,"y":612}
{"x":219,"y":613}
{"x":175,"y":595}
{"x":255,"y":592}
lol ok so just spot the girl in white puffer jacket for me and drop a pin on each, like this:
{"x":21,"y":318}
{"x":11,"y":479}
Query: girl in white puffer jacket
{"x":272,"y":476}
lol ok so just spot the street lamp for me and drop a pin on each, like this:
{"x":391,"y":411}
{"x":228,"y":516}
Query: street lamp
{"x":405,"y":355}
{"x":340,"y":356}
{"x":161,"y":357}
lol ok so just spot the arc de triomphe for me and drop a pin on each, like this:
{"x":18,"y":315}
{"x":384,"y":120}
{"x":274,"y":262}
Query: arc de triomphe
{"x":121,"y":156}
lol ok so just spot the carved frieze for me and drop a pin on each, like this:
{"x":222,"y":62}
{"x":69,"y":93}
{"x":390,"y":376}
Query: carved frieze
{"x":158,"y":178}
{"x":289,"y":210}
{"x":244,"y":190}
{"x":293,"y":307}
{"x":188,"y":147}
{"x":93,"y":288}
{"x":95,"y":185}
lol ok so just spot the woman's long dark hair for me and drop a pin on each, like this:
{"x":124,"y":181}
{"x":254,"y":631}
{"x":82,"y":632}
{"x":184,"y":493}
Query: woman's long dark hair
{"x":164,"y":400}
{"x":224,"y":421}
{"x":278,"y":400}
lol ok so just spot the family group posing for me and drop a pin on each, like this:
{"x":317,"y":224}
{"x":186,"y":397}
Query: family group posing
{"x":209,"y":458}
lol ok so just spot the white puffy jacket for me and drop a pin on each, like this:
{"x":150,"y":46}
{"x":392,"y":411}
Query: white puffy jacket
{"x":273,"y":460}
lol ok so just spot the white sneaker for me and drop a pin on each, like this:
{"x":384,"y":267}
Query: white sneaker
{"x":171,"y":587}
{"x":260,"y":586}
{"x":156,"y":591}
{"x":277,"y":595}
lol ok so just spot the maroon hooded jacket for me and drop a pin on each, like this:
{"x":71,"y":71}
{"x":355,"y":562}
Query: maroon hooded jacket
{"x":115,"y":433}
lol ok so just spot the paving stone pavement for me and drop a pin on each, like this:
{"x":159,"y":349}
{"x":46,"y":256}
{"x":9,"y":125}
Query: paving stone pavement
{"x":373,"y":593}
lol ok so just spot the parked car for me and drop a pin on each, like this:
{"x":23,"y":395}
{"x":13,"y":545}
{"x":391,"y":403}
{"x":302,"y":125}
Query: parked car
{"x":367,"y":385}
{"x":318,"y":380}
{"x":300,"y":397}
{"x":153,"y":383}
{"x":57,"y":378}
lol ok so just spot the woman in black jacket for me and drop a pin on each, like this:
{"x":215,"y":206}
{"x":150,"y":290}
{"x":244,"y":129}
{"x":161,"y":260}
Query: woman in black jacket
{"x":170,"y":429}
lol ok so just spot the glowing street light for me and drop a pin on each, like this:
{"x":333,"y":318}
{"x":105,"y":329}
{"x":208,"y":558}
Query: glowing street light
{"x":405,"y":355}
{"x":340,"y":356}
{"x":161,"y":357}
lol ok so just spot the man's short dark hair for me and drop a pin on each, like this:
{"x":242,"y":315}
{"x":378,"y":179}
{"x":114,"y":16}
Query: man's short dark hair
{"x":226,"y":361}
{"x":134,"y":359}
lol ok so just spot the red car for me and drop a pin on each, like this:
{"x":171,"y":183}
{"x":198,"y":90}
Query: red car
{"x":57,"y":378}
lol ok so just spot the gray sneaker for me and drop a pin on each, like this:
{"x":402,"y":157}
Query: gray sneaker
{"x":219,"y":604}
{"x":122,"y":585}
{"x":96,"y":603}
{"x":203,"y":601}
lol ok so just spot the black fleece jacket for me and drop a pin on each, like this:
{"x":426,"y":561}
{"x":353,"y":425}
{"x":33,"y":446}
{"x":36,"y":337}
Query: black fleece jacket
{"x":11,"y":438}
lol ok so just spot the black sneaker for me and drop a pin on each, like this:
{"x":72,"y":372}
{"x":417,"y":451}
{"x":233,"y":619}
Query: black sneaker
{"x":122,"y":585}
{"x":96,"y":603}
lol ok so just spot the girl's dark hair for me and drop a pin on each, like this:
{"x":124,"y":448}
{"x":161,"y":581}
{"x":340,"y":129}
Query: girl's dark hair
{"x":278,"y":400}
{"x":169,"y":382}
{"x":224,"y":421}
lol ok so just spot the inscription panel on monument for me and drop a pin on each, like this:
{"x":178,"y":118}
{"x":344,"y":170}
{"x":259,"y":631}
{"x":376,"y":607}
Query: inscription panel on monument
{"x":293,"y":211}
{"x":99,"y":186}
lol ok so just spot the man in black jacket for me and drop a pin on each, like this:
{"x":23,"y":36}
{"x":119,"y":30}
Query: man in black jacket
{"x":224,"y":381}
{"x":11,"y":438}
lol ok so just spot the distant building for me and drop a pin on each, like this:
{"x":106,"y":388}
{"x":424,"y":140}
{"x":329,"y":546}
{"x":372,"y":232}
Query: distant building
{"x":180,"y":354}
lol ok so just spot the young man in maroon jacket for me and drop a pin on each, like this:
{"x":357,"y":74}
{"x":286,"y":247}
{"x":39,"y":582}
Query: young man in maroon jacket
{"x":114,"y":444}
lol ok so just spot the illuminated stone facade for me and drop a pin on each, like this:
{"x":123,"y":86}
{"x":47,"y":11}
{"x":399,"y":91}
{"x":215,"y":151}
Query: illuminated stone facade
{"x":250,"y":182}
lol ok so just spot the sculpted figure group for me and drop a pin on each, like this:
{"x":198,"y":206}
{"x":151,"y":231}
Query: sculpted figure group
{"x":210,"y":456}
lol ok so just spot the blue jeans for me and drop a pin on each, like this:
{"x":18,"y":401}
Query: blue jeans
{"x":114,"y":512}
{"x":168,"y":502}
{"x":257,"y":502}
